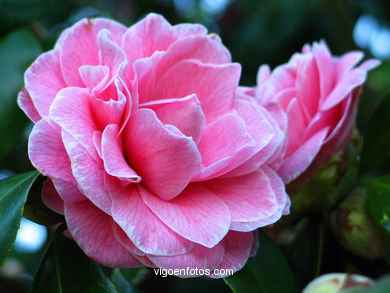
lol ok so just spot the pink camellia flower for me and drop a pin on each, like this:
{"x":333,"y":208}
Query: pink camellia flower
{"x":155,"y":156}
{"x":319,"y":94}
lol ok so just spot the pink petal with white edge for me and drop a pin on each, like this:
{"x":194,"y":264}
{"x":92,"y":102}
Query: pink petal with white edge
{"x":348,"y":82}
{"x":279,"y":188}
{"x":206,"y":49}
{"x":130,"y":246}
{"x":149,"y":145}
{"x":113,"y":156}
{"x":43,"y":80}
{"x":90,"y":175}
{"x":112,"y":107}
{"x":325,"y":65}
{"x":94,"y":77}
{"x":148,"y":233}
{"x":238,"y":246}
{"x":72,"y":111}
{"x":51,"y":198}
{"x":298,"y":162}
{"x":80,"y":46}
{"x":346,"y":62}
{"x":199,"y":257}
{"x":215,"y":85}
{"x":125,"y":240}
{"x":154,"y":33}
{"x":249,"y":197}
{"x":27,"y":105}
{"x":197,"y":214}
{"x":47,"y":154}
{"x":307,"y":86}
{"x":185,"y":113}
{"x":225,"y":144}
{"x":91,"y":229}
{"x":111,"y":54}
{"x":296,"y":126}
{"x":282,"y":205}
{"x":258,"y":122}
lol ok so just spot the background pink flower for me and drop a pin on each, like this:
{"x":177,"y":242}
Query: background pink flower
{"x":156,"y":157}
{"x":319,"y":94}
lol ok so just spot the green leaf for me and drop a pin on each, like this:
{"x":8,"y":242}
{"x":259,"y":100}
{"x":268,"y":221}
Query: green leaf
{"x":267,"y":272}
{"x":378,"y":201}
{"x":35,"y":210}
{"x":13,"y":194}
{"x":121,"y":283}
{"x":17,"y":51}
{"x":376,"y":145}
{"x":66,"y":269}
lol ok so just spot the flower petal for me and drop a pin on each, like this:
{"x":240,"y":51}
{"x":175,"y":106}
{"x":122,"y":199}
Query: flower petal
{"x":26,"y":104}
{"x":197,"y":214}
{"x":43,"y":80}
{"x":165,"y":159}
{"x":113,"y":156}
{"x":184,"y":113}
{"x":249,"y":198}
{"x":200,"y":258}
{"x":90,"y":174}
{"x":79,"y":46}
{"x":238,"y":246}
{"x":298,"y":162}
{"x":142,"y":226}
{"x":47,"y":154}
{"x":91,"y":229}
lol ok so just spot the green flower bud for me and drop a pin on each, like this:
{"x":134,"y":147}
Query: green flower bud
{"x":355,"y":229}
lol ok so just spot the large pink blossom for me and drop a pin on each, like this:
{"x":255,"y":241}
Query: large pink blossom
{"x":318,"y":93}
{"x":155,"y":156}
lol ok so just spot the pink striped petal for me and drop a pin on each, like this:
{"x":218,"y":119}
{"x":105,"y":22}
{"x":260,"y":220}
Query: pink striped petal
{"x":148,"y":233}
{"x":214,"y":85}
{"x":298,"y":162}
{"x":238,"y":246}
{"x":199,"y":257}
{"x":47,"y":154}
{"x":27,"y":105}
{"x":197,"y":214}
{"x":90,"y":174}
{"x":79,"y":46}
{"x":51,"y":198}
{"x":225,"y":144}
{"x":43,"y":80}
{"x":149,"y":145}
{"x":184,"y":113}
{"x":72,"y":111}
{"x":91,"y":229}
{"x":249,"y":198}
{"x":113,"y":156}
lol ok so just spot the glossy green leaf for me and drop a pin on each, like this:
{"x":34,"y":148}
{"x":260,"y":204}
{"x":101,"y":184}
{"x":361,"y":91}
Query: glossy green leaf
{"x":17,"y":51}
{"x":267,"y":272}
{"x":376,"y":144}
{"x":66,"y":269}
{"x":13,"y":195}
{"x":378,"y":201}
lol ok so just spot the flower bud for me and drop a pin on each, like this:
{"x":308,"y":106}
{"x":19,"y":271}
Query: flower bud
{"x":333,"y":283}
{"x":355,"y":229}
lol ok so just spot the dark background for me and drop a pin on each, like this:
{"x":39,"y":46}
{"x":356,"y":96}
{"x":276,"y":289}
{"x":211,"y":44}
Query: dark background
{"x":256,"y":32}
